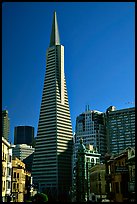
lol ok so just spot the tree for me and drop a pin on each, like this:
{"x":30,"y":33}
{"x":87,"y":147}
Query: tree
{"x":40,"y":197}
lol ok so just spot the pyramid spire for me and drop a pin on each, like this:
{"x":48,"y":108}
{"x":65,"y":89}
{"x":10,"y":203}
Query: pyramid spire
{"x":54,"y":38}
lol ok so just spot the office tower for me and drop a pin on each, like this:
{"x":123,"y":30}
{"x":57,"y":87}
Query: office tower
{"x":52,"y":162}
{"x":28,"y":162}
{"x":5,"y":125}
{"x":90,"y":126}
{"x":22,"y":151}
{"x":6,"y":169}
{"x":120,"y":128}
{"x":23,"y":135}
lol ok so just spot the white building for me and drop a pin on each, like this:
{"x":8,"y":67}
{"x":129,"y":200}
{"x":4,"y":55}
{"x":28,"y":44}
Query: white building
{"x":22,"y":151}
{"x":52,"y":161}
{"x":6,"y":169}
{"x":91,"y":128}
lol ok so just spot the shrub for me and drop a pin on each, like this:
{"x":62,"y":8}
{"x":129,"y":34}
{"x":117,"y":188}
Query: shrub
{"x":40,"y":197}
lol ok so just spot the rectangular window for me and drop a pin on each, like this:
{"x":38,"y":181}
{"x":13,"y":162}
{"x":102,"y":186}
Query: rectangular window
{"x":14,"y":185}
{"x":3,"y":186}
{"x":9,"y":171}
{"x":3,"y":156}
{"x":14,"y":175}
{"x":8,"y":184}
{"x":10,"y":158}
{"x":117,"y":187}
{"x":17,"y":175}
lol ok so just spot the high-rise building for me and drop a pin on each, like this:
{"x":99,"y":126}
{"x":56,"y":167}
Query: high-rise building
{"x":5,"y":125}
{"x":52,"y":162}
{"x":22,"y":151}
{"x":23,"y":135}
{"x":90,"y":126}
{"x":120,"y":128}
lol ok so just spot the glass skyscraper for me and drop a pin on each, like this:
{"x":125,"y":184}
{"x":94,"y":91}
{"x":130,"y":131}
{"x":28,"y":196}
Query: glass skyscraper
{"x":23,"y":135}
{"x":120,"y":129}
{"x":52,"y":162}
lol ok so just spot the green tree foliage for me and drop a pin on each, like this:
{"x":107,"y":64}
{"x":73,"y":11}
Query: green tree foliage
{"x":40,"y":197}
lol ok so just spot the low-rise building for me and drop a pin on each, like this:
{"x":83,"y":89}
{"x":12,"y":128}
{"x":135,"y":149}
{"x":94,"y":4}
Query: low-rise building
{"x":86,"y":158}
{"x":6,"y":169}
{"x":97,"y":181}
{"x":118,"y":177}
{"x":20,"y":177}
{"x":131,"y":168}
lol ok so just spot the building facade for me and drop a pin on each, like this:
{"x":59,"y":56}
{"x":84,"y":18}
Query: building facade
{"x":131,"y":169}
{"x":90,"y":126}
{"x":6,"y":170}
{"x":28,"y":162}
{"x":5,"y":125}
{"x":120,"y":129}
{"x":21,"y":180}
{"x":22,"y":151}
{"x":24,"y":135}
{"x":87,"y":157}
{"x":98,"y":182}
{"x":52,"y":162}
{"x":117,"y":177}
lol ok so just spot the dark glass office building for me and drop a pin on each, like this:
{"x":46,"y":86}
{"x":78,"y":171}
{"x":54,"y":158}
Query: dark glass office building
{"x":23,"y":135}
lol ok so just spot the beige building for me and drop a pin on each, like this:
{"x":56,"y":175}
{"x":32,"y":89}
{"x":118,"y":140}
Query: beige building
{"x":131,"y":169}
{"x":19,"y":174}
{"x":97,"y":181}
{"x":118,"y":177}
{"x":6,"y":169}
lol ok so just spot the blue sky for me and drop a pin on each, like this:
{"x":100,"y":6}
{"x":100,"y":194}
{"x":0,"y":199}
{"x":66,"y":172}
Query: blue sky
{"x":99,"y":41}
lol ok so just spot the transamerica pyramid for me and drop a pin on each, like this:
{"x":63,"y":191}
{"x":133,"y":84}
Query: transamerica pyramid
{"x":52,"y":162}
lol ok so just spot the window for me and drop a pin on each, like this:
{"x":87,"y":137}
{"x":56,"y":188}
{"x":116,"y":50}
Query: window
{"x":117,"y":187}
{"x":92,"y":160}
{"x":88,"y":159}
{"x":3,"y":156}
{"x":8,"y":171}
{"x":10,"y":158}
{"x":14,"y":185}
{"x":99,"y":177}
{"x":3,"y":173}
{"x":8,"y":184}
{"x":14,"y":174}
{"x":3,"y":186}
{"x":17,"y":175}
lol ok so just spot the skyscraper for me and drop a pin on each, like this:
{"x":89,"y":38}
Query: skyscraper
{"x":120,"y":128}
{"x":90,"y":126}
{"x":5,"y":125}
{"x":22,"y":151}
{"x":23,"y":135}
{"x":52,"y":162}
